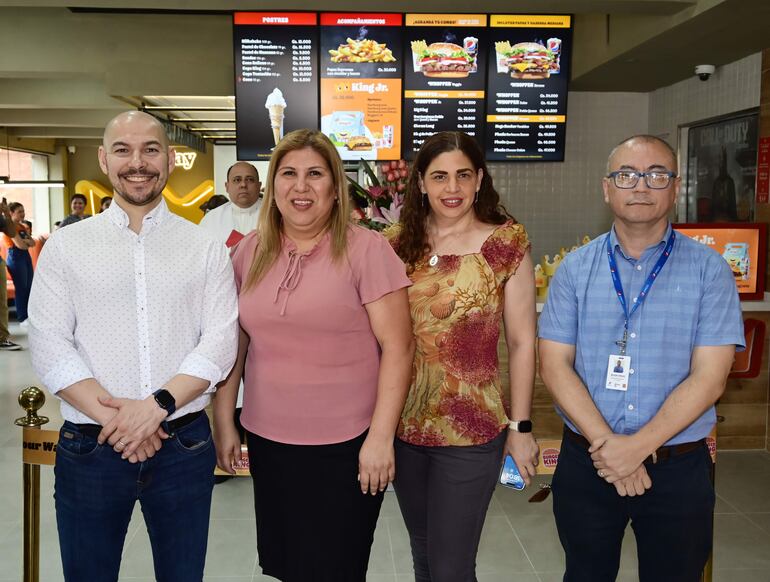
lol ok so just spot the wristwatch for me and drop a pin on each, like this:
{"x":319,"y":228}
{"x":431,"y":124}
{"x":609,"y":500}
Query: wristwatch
{"x":520,"y":425}
{"x":165,"y":400}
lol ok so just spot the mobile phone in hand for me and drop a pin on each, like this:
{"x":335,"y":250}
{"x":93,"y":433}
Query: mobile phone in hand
{"x":510,"y":476}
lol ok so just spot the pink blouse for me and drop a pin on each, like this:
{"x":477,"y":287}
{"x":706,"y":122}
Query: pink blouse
{"x":313,"y":361}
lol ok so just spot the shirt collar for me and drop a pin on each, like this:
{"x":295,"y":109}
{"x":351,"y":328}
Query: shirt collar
{"x":615,"y":243}
{"x":250,"y":210}
{"x":154,"y":217}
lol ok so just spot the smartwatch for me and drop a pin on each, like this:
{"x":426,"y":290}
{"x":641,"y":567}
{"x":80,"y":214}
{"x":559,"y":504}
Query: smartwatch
{"x":520,"y":425}
{"x":165,"y":400}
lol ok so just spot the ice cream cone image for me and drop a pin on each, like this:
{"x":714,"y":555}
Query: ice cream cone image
{"x":275,"y":105}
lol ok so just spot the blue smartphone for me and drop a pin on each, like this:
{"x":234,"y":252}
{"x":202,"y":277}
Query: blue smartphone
{"x":510,"y":476}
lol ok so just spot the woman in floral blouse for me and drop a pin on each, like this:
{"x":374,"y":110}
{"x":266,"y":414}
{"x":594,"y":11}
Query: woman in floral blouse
{"x":469,"y":263}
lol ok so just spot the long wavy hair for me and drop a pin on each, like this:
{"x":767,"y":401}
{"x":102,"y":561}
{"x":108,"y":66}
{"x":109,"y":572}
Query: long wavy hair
{"x":413,"y":242}
{"x":270,"y":220}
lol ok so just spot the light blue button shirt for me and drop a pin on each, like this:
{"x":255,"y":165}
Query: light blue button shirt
{"x":693,"y":302}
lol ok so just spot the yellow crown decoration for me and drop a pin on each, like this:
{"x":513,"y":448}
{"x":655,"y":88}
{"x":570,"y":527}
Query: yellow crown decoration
{"x":549,"y":266}
{"x":547,"y":269}
{"x":586,"y":240}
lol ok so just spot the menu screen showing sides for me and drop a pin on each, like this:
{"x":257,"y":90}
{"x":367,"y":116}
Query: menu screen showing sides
{"x":444,"y":72}
{"x":276,"y":78}
{"x":361,"y":60}
{"x":529,"y":62}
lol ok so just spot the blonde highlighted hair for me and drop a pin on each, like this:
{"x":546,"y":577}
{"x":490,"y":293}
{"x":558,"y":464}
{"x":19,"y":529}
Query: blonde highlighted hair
{"x":270,"y":220}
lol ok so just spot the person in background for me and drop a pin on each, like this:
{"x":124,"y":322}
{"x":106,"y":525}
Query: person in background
{"x":326,"y":346}
{"x":105,"y":203}
{"x":469,"y":263}
{"x":134,"y":369}
{"x":231,"y":221}
{"x":78,"y":208}
{"x":215,"y":201}
{"x":19,"y":261}
{"x":635,"y":450}
{"x":8,"y":229}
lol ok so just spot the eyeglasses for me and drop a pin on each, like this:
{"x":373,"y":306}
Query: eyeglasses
{"x":655,"y":179}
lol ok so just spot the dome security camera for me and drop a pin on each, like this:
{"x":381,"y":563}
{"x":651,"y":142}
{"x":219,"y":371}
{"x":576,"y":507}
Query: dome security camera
{"x":704,"y":72}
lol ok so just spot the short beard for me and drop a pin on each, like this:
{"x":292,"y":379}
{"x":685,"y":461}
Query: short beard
{"x":151,"y":197}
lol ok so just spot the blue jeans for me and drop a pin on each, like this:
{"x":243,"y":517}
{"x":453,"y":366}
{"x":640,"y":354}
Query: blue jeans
{"x":95,"y":491}
{"x":20,"y":266}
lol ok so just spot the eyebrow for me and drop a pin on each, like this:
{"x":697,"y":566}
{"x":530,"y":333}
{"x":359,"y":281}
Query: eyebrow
{"x":652,"y":167}
{"x":145,"y":144}
{"x":458,"y":171}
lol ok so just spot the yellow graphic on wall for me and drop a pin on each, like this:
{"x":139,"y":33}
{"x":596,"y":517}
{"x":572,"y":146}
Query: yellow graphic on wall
{"x":187,"y":205}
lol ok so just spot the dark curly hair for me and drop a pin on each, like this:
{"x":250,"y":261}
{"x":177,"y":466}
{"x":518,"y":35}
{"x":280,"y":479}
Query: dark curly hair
{"x":413,"y":240}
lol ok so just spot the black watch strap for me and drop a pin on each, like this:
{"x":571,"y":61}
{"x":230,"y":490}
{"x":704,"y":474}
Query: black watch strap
{"x":165,"y":400}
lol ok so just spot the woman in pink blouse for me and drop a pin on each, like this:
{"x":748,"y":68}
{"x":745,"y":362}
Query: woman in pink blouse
{"x":325,"y":353}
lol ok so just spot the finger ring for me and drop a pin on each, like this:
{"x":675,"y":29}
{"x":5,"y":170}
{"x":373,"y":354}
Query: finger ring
{"x":120,"y":442}
{"x":601,"y":474}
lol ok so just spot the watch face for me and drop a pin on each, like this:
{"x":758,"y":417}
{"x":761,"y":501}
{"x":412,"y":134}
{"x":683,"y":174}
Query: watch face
{"x":525,"y":426}
{"x":164,"y":398}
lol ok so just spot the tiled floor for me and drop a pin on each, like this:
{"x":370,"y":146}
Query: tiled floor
{"x":519,"y":543}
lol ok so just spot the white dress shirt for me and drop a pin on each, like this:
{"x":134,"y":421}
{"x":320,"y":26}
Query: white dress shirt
{"x":223,"y":220}
{"x":132,"y":311}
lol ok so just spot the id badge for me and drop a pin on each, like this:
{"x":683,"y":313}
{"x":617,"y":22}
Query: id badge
{"x":618,"y":371}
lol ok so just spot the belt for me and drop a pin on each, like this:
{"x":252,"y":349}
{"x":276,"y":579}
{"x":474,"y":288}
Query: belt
{"x":170,"y":427}
{"x":662,"y":454}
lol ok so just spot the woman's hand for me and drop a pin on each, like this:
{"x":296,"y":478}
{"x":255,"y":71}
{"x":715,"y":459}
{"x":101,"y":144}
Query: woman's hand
{"x":524,"y":450}
{"x":228,"y":444}
{"x":376,"y":464}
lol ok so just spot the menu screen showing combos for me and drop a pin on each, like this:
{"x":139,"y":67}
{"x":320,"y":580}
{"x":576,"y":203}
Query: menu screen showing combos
{"x":443,"y":76}
{"x":276,"y":78}
{"x":527,"y":87}
{"x":361,"y":67}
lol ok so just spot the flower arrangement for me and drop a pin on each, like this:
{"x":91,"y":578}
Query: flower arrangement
{"x":378,"y":204}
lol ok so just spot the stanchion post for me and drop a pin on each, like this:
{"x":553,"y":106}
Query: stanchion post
{"x":31,"y":400}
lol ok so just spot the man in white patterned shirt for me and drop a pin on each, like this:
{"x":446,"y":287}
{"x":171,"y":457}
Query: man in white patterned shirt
{"x":133,"y":321}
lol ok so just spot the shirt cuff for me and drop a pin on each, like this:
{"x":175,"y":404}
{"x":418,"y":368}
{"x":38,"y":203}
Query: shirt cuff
{"x":65,"y":374}
{"x":200,"y":367}
{"x":561,"y":338}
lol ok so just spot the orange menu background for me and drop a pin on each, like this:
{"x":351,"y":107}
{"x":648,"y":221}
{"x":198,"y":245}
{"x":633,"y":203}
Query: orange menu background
{"x":719,"y":238}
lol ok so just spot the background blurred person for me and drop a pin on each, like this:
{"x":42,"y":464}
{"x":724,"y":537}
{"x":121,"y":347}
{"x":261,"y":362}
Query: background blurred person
{"x":78,"y":208}
{"x":470,"y":268}
{"x":326,"y":347}
{"x":8,"y":229}
{"x":19,"y":261}
{"x":105,"y":203}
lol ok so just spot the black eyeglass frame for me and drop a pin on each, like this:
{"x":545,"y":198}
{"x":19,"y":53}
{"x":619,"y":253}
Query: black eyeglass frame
{"x":640,"y":175}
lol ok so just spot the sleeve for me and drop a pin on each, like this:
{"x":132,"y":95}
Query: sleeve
{"x":377,"y":268}
{"x":559,"y":320}
{"x":214,"y":356}
{"x":393,"y":235}
{"x":720,"y":321}
{"x":505,"y":249}
{"x":52,"y":322}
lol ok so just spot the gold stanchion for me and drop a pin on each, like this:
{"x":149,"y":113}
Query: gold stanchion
{"x":31,"y":399}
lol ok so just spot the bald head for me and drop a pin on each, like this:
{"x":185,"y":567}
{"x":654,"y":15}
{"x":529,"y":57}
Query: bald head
{"x":134,"y":121}
{"x":636,"y":140}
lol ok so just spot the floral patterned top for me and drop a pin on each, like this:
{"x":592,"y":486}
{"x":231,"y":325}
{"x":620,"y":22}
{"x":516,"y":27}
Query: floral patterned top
{"x":457,"y":306}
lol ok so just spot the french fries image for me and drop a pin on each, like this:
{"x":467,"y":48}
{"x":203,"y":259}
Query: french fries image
{"x":362,"y":51}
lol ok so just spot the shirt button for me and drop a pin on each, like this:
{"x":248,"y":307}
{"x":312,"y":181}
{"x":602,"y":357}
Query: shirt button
{"x":633,"y":335}
{"x":631,"y":371}
{"x":635,"y":298}
{"x":630,"y":406}
{"x":638,"y":267}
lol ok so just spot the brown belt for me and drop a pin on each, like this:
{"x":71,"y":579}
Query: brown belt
{"x":662,"y":454}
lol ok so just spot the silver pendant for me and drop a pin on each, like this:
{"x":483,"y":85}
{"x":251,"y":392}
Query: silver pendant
{"x":433,"y":261}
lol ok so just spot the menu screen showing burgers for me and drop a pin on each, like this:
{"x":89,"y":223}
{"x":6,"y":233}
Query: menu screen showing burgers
{"x":527,"y":87}
{"x":443,"y":76}
{"x":276,"y":78}
{"x":361,"y":64}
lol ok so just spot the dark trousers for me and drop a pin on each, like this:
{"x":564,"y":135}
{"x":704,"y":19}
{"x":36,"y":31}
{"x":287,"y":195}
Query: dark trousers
{"x":95,"y":492}
{"x":20,"y":266}
{"x":444,"y":493}
{"x":672,"y":521}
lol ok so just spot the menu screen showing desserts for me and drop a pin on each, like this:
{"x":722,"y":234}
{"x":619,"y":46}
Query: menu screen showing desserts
{"x":361,"y":65}
{"x":527,"y":87}
{"x":276,"y":78}
{"x":443,"y":76}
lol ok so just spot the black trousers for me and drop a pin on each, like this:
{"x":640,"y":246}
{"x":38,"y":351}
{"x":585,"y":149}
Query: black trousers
{"x":672,"y":521}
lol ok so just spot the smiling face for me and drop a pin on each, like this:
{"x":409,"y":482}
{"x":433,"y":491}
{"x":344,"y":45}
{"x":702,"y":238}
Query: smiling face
{"x":641,"y":205}
{"x":243,"y":185}
{"x":304,"y":192}
{"x":451,"y":183}
{"x":78,"y":206}
{"x":18,"y":214}
{"x":136,"y":157}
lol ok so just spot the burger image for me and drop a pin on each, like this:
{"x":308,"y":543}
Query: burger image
{"x":359,"y":143}
{"x":444,"y":59}
{"x":530,"y":60}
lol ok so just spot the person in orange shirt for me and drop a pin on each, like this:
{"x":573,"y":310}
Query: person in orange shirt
{"x":6,"y":228}
{"x":19,"y":261}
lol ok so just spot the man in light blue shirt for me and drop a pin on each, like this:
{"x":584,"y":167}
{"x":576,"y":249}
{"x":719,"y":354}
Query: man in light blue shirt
{"x":667,"y":308}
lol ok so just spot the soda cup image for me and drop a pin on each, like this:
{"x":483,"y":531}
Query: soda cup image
{"x":471,"y":46}
{"x":554,"y":45}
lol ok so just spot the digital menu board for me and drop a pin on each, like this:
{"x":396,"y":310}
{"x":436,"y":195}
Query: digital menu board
{"x":444,"y":76}
{"x":361,"y":65}
{"x":276,"y":78}
{"x":529,"y":61}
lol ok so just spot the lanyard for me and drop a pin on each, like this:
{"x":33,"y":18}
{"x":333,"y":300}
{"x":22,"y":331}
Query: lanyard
{"x":645,"y":289}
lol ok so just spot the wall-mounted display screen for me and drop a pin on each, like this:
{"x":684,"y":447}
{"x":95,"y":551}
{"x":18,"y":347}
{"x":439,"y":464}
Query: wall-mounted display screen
{"x":361,"y":66}
{"x":529,"y":61}
{"x":276,"y":78}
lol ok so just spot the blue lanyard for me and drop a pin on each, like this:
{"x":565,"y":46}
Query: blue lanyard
{"x":645,"y":289}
